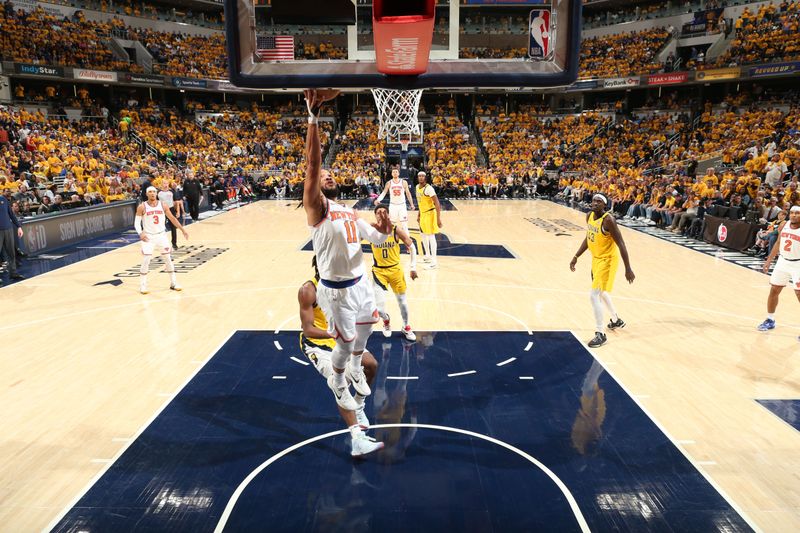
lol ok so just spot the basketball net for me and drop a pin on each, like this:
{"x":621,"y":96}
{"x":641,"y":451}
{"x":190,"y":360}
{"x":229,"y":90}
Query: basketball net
{"x":397,"y":112}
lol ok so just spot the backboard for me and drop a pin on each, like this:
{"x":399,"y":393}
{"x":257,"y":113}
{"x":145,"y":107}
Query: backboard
{"x":475,"y":44}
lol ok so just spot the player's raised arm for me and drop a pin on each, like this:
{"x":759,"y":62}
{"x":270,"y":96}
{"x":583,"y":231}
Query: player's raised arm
{"x":312,"y":196}
{"x":380,"y":198}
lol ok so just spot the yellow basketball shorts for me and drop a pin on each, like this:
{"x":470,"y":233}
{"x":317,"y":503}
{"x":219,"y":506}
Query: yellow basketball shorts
{"x":428,"y":223}
{"x":604,"y":270}
{"x":387,"y":278}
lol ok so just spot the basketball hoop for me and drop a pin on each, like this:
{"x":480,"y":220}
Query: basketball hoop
{"x":404,"y":138}
{"x":397,"y":111}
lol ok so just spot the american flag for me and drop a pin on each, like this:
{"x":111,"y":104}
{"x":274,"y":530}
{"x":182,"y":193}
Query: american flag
{"x":275,"y":47}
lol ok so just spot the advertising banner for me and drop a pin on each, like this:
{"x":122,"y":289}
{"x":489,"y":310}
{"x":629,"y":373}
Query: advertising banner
{"x":718,"y":74}
{"x":615,"y":83}
{"x":148,"y":79}
{"x":49,"y":232}
{"x":191,"y":83}
{"x":94,"y":75}
{"x":776,"y":69}
{"x":667,"y":79}
{"x":38,"y":70}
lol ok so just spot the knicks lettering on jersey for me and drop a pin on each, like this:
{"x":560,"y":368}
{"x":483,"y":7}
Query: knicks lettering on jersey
{"x":791,"y":236}
{"x":336,"y":215}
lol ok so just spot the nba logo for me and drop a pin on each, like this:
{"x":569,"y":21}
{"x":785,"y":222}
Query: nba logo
{"x":539,"y":42}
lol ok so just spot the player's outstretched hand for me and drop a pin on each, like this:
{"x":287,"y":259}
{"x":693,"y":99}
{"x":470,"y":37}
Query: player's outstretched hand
{"x":316,"y":97}
{"x":573,"y":263}
{"x":185,"y":235}
{"x":629,"y":275}
{"x":414,"y":274}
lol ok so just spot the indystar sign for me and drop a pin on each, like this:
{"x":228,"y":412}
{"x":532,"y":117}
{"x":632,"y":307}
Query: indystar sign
{"x":614,"y":83}
{"x":38,"y":70}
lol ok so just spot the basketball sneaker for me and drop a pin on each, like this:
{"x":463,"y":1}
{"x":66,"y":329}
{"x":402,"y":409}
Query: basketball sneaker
{"x":767,"y":325}
{"x":175,"y":287}
{"x":616,"y":324}
{"x":143,"y":288}
{"x":343,"y":397}
{"x":598,"y":340}
{"x":361,"y":418}
{"x":432,"y":265}
{"x":409,"y":334}
{"x":358,"y":379}
{"x":426,"y":259}
{"x":387,"y":327}
{"x":362,"y":445}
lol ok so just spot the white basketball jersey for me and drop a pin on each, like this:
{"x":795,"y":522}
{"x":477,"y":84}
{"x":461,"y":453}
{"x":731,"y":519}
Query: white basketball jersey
{"x":153,"y":220}
{"x":338,"y":244}
{"x":396,"y":193}
{"x":790,"y":242}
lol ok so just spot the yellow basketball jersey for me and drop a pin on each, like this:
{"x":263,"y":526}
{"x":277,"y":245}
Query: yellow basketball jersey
{"x":387,"y":254}
{"x":600,"y":244}
{"x":319,"y":322}
{"x":425,"y":202}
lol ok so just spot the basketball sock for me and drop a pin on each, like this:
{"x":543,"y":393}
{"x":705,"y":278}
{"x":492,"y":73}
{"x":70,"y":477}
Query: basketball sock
{"x":609,"y":305}
{"x":380,"y":302}
{"x":170,"y":268}
{"x":433,"y":247}
{"x":425,"y":248}
{"x":597,"y":307}
{"x":355,"y":431}
{"x":771,"y":316}
{"x":401,"y":301}
{"x":143,"y":271}
{"x":355,"y":361}
{"x":360,"y":399}
{"x":338,"y":379}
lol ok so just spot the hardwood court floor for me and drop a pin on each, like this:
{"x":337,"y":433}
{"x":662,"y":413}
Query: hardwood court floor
{"x":84,"y":367}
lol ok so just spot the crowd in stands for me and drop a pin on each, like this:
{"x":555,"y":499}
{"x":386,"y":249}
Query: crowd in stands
{"x":359,"y":160}
{"x":772,"y":33}
{"x":622,"y":54}
{"x":38,"y":37}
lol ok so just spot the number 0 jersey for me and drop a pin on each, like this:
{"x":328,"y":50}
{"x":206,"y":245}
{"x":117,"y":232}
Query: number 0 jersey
{"x":387,"y":255}
{"x":337,"y":244}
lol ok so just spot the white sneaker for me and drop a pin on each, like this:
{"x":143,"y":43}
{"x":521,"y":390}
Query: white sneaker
{"x":426,"y":259}
{"x":387,"y":327}
{"x":361,"y":418}
{"x":343,"y":397}
{"x":363,"y":445}
{"x":175,"y":287}
{"x":143,"y":289}
{"x":409,"y":334}
{"x":358,"y":379}
{"x":432,"y":266}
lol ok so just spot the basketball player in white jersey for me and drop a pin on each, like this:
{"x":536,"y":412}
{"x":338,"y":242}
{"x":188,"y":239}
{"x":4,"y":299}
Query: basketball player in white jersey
{"x":344,"y":294}
{"x":398,"y":193}
{"x":787,"y":270}
{"x":150,"y":224}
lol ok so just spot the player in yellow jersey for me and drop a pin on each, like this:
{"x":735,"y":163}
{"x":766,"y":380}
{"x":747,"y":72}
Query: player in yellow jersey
{"x":387,"y":272}
{"x":603,"y":238}
{"x":317,"y":344}
{"x":429,"y":216}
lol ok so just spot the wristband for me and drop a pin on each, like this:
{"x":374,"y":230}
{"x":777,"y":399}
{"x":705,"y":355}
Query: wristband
{"x":313,"y":119}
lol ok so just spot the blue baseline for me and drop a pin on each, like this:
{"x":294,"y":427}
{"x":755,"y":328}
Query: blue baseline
{"x":786,"y":410}
{"x":447,"y":248}
{"x":624,"y":473}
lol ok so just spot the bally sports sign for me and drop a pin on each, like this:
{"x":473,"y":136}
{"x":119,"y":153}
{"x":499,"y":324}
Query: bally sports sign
{"x":93,"y":75}
{"x":614,"y":83}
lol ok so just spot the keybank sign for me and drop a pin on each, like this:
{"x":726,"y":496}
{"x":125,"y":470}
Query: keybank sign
{"x":38,"y":70}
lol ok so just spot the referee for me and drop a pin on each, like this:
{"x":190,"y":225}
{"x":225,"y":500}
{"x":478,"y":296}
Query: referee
{"x":167,"y":197}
